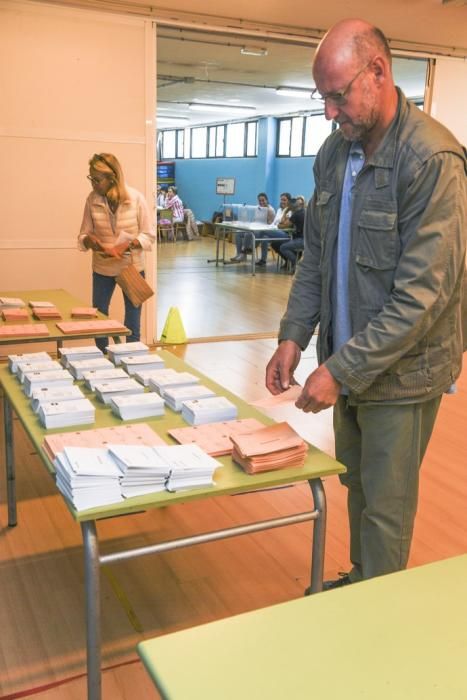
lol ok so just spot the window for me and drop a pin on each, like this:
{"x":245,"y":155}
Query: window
{"x":199,"y":142}
{"x":233,"y":140}
{"x":302,"y":136}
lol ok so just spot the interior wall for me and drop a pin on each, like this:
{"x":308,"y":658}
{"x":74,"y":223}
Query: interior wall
{"x":449,"y":96}
{"x":78,"y":86}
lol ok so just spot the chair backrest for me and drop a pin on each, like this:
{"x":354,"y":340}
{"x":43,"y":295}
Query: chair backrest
{"x":165,"y":216}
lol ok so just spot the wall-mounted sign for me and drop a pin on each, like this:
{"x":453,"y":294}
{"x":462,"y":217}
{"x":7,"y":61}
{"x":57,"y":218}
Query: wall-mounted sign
{"x":225,"y":185}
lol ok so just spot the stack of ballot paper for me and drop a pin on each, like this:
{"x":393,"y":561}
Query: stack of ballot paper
{"x":119,"y":350}
{"x":45,"y":394}
{"x":105,"y":391}
{"x":77,"y":367}
{"x":143,"y":376}
{"x":11,"y":303}
{"x":123,"y":434}
{"x":15,"y":314}
{"x":45,"y":365}
{"x":164,"y":378}
{"x":84,"y":312}
{"x":107,"y":325}
{"x":83,"y":352}
{"x":214,"y":438}
{"x":273,"y":447}
{"x":88,"y":477}
{"x":14,"y":360}
{"x":141,"y":363}
{"x":16,"y":330}
{"x":175,"y":395}
{"x":46,"y":312}
{"x":210,"y":410}
{"x":190,"y":468}
{"x":59,"y":414}
{"x":137,"y":406}
{"x":50,"y":378}
{"x":142,"y":469}
{"x":97,"y":376}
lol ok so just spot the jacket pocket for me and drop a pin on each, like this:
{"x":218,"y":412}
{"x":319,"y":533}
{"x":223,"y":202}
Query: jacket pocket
{"x":324,"y":202}
{"x":378,"y":240}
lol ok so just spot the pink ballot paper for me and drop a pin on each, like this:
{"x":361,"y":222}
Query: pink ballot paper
{"x":214,"y":438}
{"x":23,"y":329}
{"x":90,"y":326}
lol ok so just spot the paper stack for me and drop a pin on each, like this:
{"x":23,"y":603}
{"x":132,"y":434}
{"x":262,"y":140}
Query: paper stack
{"x":97,"y":376}
{"x":44,"y":394}
{"x":210,"y":410}
{"x":77,"y":367}
{"x":141,"y":363}
{"x":143,"y":376}
{"x":273,"y":447}
{"x":190,"y":467}
{"x":50,"y":378}
{"x":15,"y":314}
{"x":14,"y":360}
{"x":11,"y":303}
{"x":84,"y":312}
{"x":123,"y":434}
{"x":16,"y":330}
{"x":105,"y":391}
{"x":119,"y":350}
{"x":45,"y":365}
{"x":59,"y":414}
{"x":80,"y":352}
{"x":137,"y":406}
{"x":175,"y":395}
{"x":88,"y":477}
{"x":142,"y":469}
{"x":44,"y":310}
{"x":164,"y":378}
{"x":214,"y":438}
{"x":107,"y":325}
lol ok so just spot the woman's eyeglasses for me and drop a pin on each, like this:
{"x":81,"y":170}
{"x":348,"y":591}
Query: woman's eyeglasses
{"x":95,"y":180}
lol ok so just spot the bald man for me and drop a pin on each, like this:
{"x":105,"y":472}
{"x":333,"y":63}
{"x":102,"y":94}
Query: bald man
{"x":382,"y":275}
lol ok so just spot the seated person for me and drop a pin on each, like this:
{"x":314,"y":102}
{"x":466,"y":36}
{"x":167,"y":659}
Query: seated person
{"x":161,"y":196}
{"x":281,"y":221}
{"x":243,"y":239}
{"x":174,"y":203}
{"x":289,"y":250}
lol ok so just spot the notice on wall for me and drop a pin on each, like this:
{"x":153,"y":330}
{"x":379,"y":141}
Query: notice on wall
{"x":225,"y":185}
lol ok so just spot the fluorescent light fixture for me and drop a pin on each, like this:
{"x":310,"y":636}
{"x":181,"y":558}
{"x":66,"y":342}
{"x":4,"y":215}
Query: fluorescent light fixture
{"x":253,"y":51}
{"x":168,"y":118}
{"x":293,"y":91}
{"x":212,"y":107}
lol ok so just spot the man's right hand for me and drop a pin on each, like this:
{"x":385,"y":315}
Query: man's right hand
{"x":92,"y":243}
{"x":281,"y":366}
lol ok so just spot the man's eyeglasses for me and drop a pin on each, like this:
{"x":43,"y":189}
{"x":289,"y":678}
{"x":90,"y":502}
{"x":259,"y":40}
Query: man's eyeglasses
{"x":338,"y":98}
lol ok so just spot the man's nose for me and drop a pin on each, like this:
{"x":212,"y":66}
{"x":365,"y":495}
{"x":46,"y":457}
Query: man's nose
{"x":330,"y":109}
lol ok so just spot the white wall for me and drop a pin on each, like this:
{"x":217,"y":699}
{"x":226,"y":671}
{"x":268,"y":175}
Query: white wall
{"x":72,"y":83}
{"x":449,"y":100}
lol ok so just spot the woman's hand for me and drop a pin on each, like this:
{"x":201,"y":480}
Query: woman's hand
{"x":91,"y":242}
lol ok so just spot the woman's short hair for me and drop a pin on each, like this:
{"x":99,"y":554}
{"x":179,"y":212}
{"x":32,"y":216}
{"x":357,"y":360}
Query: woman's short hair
{"x":173,"y":188}
{"x":109,"y":165}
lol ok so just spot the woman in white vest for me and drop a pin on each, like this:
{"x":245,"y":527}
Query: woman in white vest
{"x":117,"y":227}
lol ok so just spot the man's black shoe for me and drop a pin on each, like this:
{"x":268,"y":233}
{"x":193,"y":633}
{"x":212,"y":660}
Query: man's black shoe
{"x":261,"y":262}
{"x":343,"y":580}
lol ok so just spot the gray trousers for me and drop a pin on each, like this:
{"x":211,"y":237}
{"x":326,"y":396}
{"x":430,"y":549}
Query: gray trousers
{"x":382,"y":446}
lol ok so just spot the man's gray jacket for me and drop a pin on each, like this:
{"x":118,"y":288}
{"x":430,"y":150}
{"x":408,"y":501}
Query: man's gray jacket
{"x":406,"y":266}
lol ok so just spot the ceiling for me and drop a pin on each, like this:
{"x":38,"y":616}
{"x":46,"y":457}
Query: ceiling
{"x":199,"y":67}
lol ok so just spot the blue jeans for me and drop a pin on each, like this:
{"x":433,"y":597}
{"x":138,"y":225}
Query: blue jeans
{"x":290,"y":249}
{"x":102,"y":291}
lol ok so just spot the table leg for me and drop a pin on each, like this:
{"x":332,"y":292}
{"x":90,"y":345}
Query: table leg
{"x":10,"y":462}
{"x":253,"y":253}
{"x":93,"y":608}
{"x":217,"y":235}
{"x":319,"y":535}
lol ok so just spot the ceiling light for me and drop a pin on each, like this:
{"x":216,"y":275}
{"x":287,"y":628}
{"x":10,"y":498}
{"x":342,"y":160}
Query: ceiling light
{"x":211,"y":107}
{"x":294,"y":91}
{"x":168,"y":118}
{"x":253,"y":51}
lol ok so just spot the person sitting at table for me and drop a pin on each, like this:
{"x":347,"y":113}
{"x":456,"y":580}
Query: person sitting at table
{"x":264,"y":213}
{"x":289,"y":250}
{"x":161,"y":196}
{"x":117,"y":227}
{"x":281,"y":221}
{"x":174,"y":203}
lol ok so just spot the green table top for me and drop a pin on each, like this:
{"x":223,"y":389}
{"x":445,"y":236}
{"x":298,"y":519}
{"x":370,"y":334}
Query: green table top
{"x":229,"y":479}
{"x":64,"y":302}
{"x":397,"y":637}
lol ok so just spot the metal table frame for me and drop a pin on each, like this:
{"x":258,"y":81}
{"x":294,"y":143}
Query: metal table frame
{"x":223,"y":228}
{"x":93,"y":559}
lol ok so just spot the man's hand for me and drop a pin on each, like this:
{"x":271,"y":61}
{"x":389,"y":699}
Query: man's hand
{"x":281,"y":366}
{"x":321,"y":391}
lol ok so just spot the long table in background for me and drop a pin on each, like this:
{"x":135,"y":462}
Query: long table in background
{"x":230,"y":479}
{"x":259,"y":234}
{"x":396,"y":637}
{"x":64,"y":302}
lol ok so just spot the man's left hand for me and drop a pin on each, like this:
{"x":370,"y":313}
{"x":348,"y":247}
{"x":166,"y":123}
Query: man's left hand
{"x":321,"y":391}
